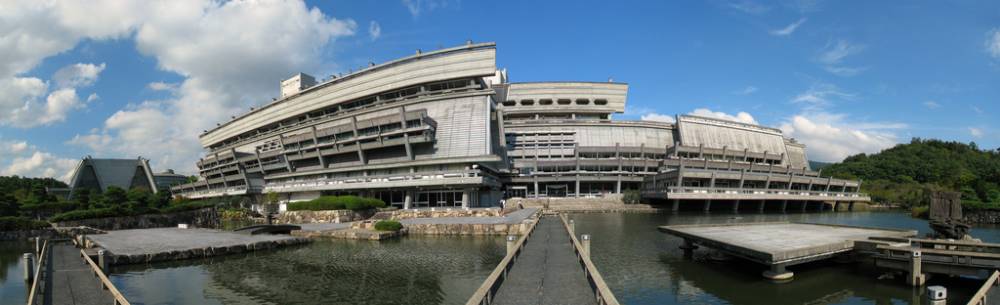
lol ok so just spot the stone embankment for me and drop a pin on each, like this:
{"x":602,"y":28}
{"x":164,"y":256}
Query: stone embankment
{"x":26,"y":234}
{"x":981,"y":216}
{"x":332,"y":216}
{"x":205,"y":218}
{"x":441,"y":213}
{"x":352,"y":233}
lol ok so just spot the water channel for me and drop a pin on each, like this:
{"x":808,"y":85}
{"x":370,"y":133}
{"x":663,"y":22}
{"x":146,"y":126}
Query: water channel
{"x":640,"y":264}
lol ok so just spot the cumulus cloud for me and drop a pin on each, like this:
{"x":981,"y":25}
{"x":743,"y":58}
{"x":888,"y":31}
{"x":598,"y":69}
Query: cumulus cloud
{"x":162,"y":86}
{"x":741,"y":117}
{"x":656,"y":117}
{"x":976,"y":132}
{"x":993,"y":43}
{"x":788,"y":30}
{"x":17,"y":157}
{"x":830,"y":137}
{"x":374,"y":30}
{"x":77,"y":75}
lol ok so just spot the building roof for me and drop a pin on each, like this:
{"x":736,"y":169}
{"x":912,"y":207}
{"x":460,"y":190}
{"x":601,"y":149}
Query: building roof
{"x":122,"y":173}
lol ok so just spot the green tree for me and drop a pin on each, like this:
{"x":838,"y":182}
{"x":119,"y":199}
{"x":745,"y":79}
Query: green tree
{"x":115,"y":197}
{"x":9,"y":205}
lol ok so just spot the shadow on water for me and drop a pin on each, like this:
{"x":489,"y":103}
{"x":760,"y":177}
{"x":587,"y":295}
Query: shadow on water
{"x":644,"y":266}
{"x":13,"y":289}
{"x":413,"y":270}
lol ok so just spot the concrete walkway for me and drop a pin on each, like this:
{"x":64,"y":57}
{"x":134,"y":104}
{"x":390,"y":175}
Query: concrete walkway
{"x":547,"y":271}
{"x":70,"y":280}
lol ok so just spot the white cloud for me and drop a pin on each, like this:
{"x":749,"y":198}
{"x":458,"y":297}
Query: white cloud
{"x":374,"y":30}
{"x":77,"y":75}
{"x":418,"y":7}
{"x":656,"y":117}
{"x":746,"y":91}
{"x":749,"y":7}
{"x":162,"y":86}
{"x":26,"y":160}
{"x":97,"y":142}
{"x":834,"y":53}
{"x":844,"y":71}
{"x":976,"y":109}
{"x":993,"y":43}
{"x":742,"y":117}
{"x":976,"y":132}
{"x":829,"y":137}
{"x":820,"y":95}
{"x":932,"y":105}
{"x":788,"y":30}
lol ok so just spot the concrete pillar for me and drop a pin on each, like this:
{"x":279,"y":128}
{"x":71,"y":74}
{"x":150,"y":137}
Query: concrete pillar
{"x":536,"y":187}
{"x":850,"y":206}
{"x":784,"y":205}
{"x":778,"y":273}
{"x":408,"y":200}
{"x":38,"y":246}
{"x":102,"y":260}
{"x":804,"y":204}
{"x":760,"y":208}
{"x":836,"y":205}
{"x":736,"y":206}
{"x":618,"y":185}
{"x":676,"y":206}
{"x":29,"y":267}
{"x":585,"y":242}
{"x":572,"y":227}
{"x":708,"y":205}
{"x":511,"y":241}
{"x":688,"y":248}
{"x":578,"y":185}
{"x":916,"y":277}
{"x":465,"y":198}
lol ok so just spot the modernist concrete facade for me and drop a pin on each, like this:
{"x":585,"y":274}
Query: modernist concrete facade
{"x":446,"y":128}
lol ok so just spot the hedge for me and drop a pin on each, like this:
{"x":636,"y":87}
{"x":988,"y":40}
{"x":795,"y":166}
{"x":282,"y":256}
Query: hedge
{"x":11,"y":223}
{"x":187,"y":206}
{"x":388,"y":225}
{"x":326,"y":203}
{"x":118,"y":211}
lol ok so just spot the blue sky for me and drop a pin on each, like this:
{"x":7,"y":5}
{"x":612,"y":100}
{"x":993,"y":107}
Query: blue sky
{"x":120,"y":79}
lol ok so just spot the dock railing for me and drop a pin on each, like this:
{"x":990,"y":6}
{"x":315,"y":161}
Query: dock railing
{"x":39,"y":273}
{"x":119,"y":298}
{"x":601,"y":291}
{"x":484,"y":295}
{"x":980,"y":297}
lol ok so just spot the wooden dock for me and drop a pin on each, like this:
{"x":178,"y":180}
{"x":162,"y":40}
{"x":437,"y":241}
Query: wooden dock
{"x":778,"y":244}
{"x":549,"y":265}
{"x":66,"y":275}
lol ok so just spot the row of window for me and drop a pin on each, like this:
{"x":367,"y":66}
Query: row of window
{"x":562,"y":101}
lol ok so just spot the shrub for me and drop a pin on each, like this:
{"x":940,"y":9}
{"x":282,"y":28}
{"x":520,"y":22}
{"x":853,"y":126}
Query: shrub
{"x":91,"y":213}
{"x":388,"y":225}
{"x":10,"y":223}
{"x":920,"y":212}
{"x":187,"y":206}
{"x":631,"y":197}
{"x":327,"y":203}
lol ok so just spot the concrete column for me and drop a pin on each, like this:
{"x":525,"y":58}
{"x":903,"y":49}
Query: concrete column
{"x":536,"y":187}
{"x":736,"y":206}
{"x":916,"y":277}
{"x":29,"y":267}
{"x":465,"y":198}
{"x":408,"y":200}
{"x":688,"y":248}
{"x":38,"y":246}
{"x":784,"y":205}
{"x":708,"y":205}
{"x":676,"y":206}
{"x":585,"y":242}
{"x":102,"y":261}
{"x":836,"y":205}
{"x":511,"y":241}
{"x":618,"y":185}
{"x":778,"y":272}
{"x":804,"y":204}
{"x":572,"y":227}
{"x":760,"y":208}
{"x":850,"y":206}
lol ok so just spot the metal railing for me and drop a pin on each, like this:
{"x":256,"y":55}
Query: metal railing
{"x":33,"y":293}
{"x":980,"y":297}
{"x":746,"y":191}
{"x":601,"y":290}
{"x":119,"y":298}
{"x":484,"y":295}
{"x":375,"y":178}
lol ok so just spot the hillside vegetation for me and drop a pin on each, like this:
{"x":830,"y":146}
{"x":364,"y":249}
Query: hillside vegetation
{"x":904,"y":174}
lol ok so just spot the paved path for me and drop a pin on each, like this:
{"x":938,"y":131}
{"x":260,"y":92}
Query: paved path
{"x":70,"y":280}
{"x":547,"y":271}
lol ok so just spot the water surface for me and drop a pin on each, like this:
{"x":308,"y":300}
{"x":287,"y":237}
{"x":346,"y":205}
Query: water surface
{"x":13,"y":289}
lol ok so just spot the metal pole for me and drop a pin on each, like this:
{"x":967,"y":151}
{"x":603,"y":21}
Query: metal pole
{"x":511,"y":240}
{"x":29,"y":267}
{"x":585,"y":240}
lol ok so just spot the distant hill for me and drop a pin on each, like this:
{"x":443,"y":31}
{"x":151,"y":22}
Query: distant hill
{"x":818,"y":165}
{"x":905,"y":173}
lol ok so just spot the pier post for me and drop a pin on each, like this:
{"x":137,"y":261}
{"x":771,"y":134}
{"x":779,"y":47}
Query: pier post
{"x":572,"y":227}
{"x":102,"y":261}
{"x":688,"y":248}
{"x":916,"y":277}
{"x":29,"y":267}
{"x":38,"y":246}
{"x":784,"y":205}
{"x":585,"y":241}
{"x":778,"y":273}
{"x":708,"y":205}
{"x":736,"y":206}
{"x":677,"y":205}
{"x":511,"y":240}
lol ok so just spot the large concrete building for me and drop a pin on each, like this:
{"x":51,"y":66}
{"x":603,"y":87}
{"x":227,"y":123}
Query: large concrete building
{"x":446,"y":128}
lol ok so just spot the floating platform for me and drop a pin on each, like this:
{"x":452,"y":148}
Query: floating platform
{"x":779,"y":244}
{"x":164,"y":244}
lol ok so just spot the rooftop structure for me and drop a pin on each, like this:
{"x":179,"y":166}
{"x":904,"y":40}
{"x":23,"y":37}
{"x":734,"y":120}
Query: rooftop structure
{"x":446,"y":128}
{"x":99,"y":174}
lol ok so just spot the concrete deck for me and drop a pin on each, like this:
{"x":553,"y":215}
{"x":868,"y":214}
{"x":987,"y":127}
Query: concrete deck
{"x":70,"y":280}
{"x":779,"y":244}
{"x":547,"y":272}
{"x":159,"y":244}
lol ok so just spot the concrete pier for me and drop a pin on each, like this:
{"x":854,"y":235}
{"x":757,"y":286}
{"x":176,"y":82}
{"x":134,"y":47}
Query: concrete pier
{"x":164,"y":244}
{"x":777,"y":245}
{"x":69,"y":280}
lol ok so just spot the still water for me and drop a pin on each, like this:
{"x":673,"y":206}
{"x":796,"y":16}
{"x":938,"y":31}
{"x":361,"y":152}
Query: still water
{"x":640,"y":264}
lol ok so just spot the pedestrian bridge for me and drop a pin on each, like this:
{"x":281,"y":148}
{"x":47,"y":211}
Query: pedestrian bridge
{"x":548,"y":265}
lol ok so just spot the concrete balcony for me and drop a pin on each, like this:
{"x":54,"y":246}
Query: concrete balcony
{"x":707,"y":193}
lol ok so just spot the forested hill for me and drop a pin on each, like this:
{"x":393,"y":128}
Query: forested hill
{"x":904,"y":173}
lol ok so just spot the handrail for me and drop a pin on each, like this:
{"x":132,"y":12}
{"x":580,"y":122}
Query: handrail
{"x":38,"y":273}
{"x":601,"y":289}
{"x":484,"y":295}
{"x":980,"y":297}
{"x":105,"y":282}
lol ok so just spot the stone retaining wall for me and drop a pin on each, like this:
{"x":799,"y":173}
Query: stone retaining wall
{"x":26,"y":234}
{"x":360,"y":234}
{"x":449,"y":212}
{"x":201,"y":218}
{"x":332,"y":216}
{"x":981,"y":216}
{"x":468,"y":229}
